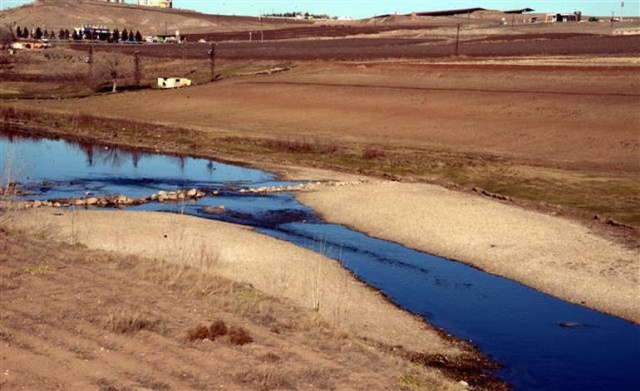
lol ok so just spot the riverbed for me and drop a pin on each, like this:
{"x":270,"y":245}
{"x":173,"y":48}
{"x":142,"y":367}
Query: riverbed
{"x":543,"y":342}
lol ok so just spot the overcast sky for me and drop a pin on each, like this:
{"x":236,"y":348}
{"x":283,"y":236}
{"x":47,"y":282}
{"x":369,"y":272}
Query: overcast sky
{"x":366,"y":8}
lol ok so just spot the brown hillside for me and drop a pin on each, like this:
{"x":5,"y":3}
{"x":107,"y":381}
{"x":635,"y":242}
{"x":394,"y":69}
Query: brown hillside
{"x":53,"y":15}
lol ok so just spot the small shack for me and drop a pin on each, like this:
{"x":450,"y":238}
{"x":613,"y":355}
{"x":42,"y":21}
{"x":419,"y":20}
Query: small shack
{"x":173,"y":82}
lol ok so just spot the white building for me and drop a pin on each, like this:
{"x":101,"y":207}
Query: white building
{"x":156,"y":3}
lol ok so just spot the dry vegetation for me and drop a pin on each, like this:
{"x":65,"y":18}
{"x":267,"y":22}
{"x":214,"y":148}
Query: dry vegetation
{"x":112,"y":322}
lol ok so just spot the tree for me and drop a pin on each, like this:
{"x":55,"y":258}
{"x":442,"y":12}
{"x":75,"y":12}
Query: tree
{"x":67,"y":34}
{"x":125,"y":35}
{"x":45,"y":34}
{"x":38,"y":33}
{"x":115,"y":36}
{"x":76,"y":36}
{"x":18,"y":32}
{"x":138,"y":36}
{"x":113,"y":65}
{"x":6,"y":38}
{"x":61,"y":34}
{"x":131,"y":36}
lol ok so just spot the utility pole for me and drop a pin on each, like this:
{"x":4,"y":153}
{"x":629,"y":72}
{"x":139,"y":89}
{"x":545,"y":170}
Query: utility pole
{"x":212,"y":61}
{"x":90,"y":62}
{"x":184,"y":50}
{"x":136,"y":64}
{"x":457,"y":39}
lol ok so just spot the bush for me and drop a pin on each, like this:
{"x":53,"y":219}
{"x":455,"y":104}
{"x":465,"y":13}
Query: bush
{"x":197,"y":334}
{"x":123,"y":323}
{"x":373,"y":152}
{"x":239,"y":336}
{"x":215,"y":330}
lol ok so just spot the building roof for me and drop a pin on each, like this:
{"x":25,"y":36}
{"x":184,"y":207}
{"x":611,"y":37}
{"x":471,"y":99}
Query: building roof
{"x":462,"y":11}
{"x":519,"y":11}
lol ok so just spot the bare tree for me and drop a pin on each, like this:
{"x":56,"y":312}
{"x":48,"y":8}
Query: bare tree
{"x":7,"y":36}
{"x":110,"y":70}
{"x":113,"y":66}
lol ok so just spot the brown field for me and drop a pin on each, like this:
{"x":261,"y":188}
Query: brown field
{"x":552,"y":130}
{"x":542,"y":117}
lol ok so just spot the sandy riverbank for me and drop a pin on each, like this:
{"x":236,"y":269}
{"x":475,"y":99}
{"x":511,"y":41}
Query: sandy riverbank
{"x":239,"y":254}
{"x":551,"y":254}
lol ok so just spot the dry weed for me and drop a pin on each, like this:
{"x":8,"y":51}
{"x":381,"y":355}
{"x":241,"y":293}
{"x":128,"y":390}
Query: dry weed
{"x":217,"y":329}
{"x":267,"y":377}
{"x":124,"y":323}
{"x":373,"y":152}
{"x":199,"y":333}
{"x":202,"y":332}
{"x":239,"y":336}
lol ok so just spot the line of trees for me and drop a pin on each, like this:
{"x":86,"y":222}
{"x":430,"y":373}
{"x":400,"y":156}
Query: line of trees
{"x":38,"y":33}
{"x":87,"y":33}
{"x":298,"y":15}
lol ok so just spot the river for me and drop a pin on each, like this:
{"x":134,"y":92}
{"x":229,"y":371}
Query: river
{"x":543,"y":343}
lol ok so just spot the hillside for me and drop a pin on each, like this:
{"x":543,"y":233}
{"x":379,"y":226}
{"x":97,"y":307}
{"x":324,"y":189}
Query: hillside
{"x":74,"y":13}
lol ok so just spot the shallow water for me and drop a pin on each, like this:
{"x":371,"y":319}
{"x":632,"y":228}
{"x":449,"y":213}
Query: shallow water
{"x":515,"y":325}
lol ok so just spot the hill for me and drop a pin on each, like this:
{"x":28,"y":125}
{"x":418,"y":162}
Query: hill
{"x":75,"y":13}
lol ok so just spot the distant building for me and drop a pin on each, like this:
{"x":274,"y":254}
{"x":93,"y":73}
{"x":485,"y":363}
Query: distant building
{"x":115,"y":1}
{"x":173,"y":82}
{"x":30,"y":45}
{"x":566,"y":17}
{"x":156,"y":3}
{"x":98,"y":33}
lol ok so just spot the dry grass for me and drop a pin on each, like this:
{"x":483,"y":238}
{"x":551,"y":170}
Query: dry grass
{"x":301,"y":145}
{"x":134,"y":293}
{"x":611,"y":195}
{"x":267,"y":377}
{"x":122,"y":322}
{"x":373,"y":152}
{"x":239,"y":336}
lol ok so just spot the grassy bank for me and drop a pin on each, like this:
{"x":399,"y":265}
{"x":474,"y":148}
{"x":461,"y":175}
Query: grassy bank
{"x":180,"y":323}
{"x":609,"y":197}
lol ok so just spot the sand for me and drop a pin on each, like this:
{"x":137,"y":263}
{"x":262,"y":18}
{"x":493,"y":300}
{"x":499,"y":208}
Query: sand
{"x":551,"y":254}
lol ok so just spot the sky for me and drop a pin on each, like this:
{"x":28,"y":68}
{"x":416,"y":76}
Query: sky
{"x":367,"y":8}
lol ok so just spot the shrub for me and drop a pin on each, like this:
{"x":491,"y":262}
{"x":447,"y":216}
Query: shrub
{"x":201,"y":332}
{"x":239,"y":336}
{"x":123,"y":323}
{"x":217,"y":329}
{"x":197,"y":334}
{"x":373,"y":152}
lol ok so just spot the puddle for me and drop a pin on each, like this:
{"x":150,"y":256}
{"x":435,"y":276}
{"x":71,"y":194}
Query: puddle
{"x":543,"y":342}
